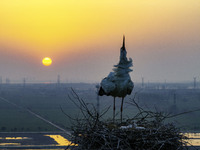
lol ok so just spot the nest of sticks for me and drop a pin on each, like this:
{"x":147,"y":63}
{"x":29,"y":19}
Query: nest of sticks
{"x":147,"y":130}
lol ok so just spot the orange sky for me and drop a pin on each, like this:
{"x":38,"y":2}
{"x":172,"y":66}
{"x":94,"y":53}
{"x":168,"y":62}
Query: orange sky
{"x":81,"y":34}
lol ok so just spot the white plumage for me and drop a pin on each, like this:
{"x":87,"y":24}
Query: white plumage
{"x":118,"y":83}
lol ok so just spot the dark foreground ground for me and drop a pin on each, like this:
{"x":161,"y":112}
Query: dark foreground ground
{"x":39,"y":141}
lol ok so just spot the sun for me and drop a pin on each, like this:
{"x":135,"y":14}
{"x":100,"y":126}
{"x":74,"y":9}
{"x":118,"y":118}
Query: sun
{"x":46,"y":61}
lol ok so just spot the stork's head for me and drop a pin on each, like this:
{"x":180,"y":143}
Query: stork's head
{"x":123,"y":52}
{"x":123,"y":45}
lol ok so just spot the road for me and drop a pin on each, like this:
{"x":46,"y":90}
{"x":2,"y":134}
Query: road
{"x":33,"y":140}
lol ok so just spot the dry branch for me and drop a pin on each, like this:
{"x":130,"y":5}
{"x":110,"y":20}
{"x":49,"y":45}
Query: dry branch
{"x":145,"y":131}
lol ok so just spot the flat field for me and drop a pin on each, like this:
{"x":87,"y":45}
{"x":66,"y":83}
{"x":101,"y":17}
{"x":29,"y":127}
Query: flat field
{"x":47,"y":100}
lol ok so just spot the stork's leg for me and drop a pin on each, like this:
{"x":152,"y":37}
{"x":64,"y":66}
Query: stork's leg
{"x":122,"y":107}
{"x":114,"y":110}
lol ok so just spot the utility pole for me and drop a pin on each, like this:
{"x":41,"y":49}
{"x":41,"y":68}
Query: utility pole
{"x":24,"y":82}
{"x":0,"y":79}
{"x":142,"y":82}
{"x":97,"y":87}
{"x":58,"y":80}
{"x":7,"y":81}
{"x":195,"y":82}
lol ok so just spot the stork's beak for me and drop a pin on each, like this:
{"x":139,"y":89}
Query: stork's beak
{"x":123,"y":46}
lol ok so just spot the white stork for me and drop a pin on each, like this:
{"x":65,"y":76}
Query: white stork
{"x":118,"y":83}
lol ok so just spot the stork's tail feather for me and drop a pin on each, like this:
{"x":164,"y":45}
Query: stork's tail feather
{"x":101,"y":92}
